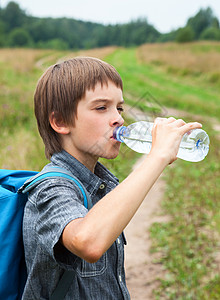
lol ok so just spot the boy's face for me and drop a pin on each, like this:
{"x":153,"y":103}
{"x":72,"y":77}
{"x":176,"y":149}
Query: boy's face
{"x":98,"y":114}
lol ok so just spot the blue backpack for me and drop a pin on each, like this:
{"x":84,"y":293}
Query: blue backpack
{"x":14,"y":186}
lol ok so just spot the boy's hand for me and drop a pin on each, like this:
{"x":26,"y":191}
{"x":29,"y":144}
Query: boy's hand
{"x":167,"y":135}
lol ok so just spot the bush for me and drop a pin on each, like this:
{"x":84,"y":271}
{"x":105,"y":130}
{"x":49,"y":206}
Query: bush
{"x":210,"y":33}
{"x":56,"y":44}
{"x":19,"y":37}
{"x":2,"y":41}
{"x":184,"y":35}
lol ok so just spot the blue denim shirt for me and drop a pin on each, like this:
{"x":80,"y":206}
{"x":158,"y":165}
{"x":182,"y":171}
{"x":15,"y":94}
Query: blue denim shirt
{"x":50,"y":207}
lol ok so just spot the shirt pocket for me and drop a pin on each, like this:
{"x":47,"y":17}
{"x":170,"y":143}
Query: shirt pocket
{"x":85,"y":269}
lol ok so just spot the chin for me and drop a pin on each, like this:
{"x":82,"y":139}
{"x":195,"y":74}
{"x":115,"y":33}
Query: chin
{"x":110,"y":154}
{"x":106,"y":151}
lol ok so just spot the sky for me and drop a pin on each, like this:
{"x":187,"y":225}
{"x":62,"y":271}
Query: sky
{"x":163,"y":15}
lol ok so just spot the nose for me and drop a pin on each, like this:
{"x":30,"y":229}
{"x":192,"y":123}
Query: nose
{"x":117,"y":121}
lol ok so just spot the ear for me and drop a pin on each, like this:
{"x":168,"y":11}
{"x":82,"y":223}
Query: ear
{"x":56,"y":122}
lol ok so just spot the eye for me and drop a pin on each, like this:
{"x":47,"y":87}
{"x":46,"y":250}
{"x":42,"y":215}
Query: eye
{"x":120,"y":109}
{"x":101,"y":108}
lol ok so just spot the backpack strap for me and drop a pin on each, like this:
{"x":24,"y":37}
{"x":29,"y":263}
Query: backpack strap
{"x":52,"y":172}
{"x":63,"y":286}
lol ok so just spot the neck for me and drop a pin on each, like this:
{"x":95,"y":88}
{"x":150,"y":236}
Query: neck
{"x":87,"y":160}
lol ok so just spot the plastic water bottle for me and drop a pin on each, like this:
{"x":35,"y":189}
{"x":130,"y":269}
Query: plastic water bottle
{"x":194,"y":145}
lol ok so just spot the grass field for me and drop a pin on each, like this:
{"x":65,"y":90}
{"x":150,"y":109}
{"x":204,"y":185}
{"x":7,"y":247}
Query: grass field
{"x":189,"y":92}
{"x":185,"y":77}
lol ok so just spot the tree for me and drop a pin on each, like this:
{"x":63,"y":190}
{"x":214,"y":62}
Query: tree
{"x":215,"y":23}
{"x":202,"y":20}
{"x":184,"y":35}
{"x":13,"y":16}
{"x":19,"y":37}
{"x":42,"y":29}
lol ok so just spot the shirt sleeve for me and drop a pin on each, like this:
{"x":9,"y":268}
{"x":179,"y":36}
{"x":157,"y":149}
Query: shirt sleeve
{"x":58,"y":203}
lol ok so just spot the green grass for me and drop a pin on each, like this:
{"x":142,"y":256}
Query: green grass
{"x":185,"y":93}
{"x":189,"y":242}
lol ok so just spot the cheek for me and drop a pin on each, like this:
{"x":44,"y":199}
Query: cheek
{"x":92,"y":127}
{"x":96,"y":127}
{"x":97,"y":122}
{"x":91,"y":132}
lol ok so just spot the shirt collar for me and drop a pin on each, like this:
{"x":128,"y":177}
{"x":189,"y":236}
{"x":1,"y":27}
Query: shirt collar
{"x":90,"y":180}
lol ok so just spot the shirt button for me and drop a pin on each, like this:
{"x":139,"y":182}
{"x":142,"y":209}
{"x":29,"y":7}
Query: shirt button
{"x":120,"y":278}
{"x":102,"y":186}
{"x":118,"y":240}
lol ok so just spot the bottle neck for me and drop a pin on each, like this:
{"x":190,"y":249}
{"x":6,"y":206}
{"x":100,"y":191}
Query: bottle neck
{"x":120,"y":132}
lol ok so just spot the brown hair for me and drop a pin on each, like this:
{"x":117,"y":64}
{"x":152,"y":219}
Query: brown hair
{"x":60,"y":89}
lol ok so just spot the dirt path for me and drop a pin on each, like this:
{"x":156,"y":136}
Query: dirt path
{"x":141,"y":272}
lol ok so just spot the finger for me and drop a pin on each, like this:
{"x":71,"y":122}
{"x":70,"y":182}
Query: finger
{"x":179,"y":123}
{"x":190,"y":126}
{"x":170,"y":120}
{"x":159,"y":120}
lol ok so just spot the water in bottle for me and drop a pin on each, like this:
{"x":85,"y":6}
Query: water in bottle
{"x":194,"y":145}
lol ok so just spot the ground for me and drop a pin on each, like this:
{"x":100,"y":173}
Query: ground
{"x":141,"y":272}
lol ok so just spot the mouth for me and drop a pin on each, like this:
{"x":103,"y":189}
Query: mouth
{"x":114,"y":140}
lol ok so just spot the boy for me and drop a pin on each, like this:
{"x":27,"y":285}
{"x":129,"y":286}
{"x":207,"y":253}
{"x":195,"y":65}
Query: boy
{"x":78,"y":103}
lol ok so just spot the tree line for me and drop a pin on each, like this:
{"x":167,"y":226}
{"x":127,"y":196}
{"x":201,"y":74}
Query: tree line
{"x":18,"y":29}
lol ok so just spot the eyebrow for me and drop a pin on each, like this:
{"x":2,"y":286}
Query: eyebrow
{"x":96,"y":101}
